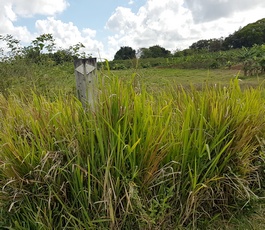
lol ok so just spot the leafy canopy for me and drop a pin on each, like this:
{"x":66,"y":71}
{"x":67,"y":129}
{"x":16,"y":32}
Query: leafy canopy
{"x":124,"y":53}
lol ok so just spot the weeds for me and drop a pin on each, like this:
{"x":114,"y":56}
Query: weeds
{"x":138,"y":161}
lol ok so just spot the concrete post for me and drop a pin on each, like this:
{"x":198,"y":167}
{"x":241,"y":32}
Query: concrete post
{"x":85,"y":74}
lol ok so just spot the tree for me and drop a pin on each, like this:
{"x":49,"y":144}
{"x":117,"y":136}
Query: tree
{"x":12,"y":48}
{"x":124,"y":53}
{"x":211,"y":45}
{"x":36,"y":51}
{"x":68,"y":55}
{"x":253,"y":33}
{"x":201,"y":44}
{"x":44,"y":41}
{"x":154,"y":52}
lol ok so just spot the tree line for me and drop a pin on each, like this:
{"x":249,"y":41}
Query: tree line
{"x":41,"y":49}
{"x":248,"y":36}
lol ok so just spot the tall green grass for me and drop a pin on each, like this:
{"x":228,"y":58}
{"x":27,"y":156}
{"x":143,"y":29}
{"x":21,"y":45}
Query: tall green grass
{"x":137,"y":161}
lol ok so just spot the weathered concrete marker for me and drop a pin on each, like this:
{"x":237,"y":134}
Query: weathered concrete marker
{"x":85,"y":74}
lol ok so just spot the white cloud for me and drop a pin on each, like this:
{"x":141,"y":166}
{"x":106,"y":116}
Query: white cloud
{"x":155,"y":23}
{"x":28,"y":8}
{"x":89,"y":32}
{"x":208,"y":10}
{"x":9,"y":13}
{"x":7,"y":27}
{"x":178,"y":23}
{"x":169,"y":23}
{"x":12,"y":9}
{"x":129,"y":20}
{"x":67,"y":34}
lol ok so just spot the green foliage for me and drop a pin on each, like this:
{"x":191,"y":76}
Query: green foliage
{"x":140,"y":160}
{"x":124,"y":53}
{"x":44,"y":42}
{"x":154,"y":52}
{"x":148,"y":157}
{"x":253,"y":33}
{"x":61,"y":56}
{"x":253,"y":60}
{"x":13,"y":49}
{"x":211,"y":45}
{"x":21,"y":76}
{"x":41,"y":51}
{"x":186,"y":59}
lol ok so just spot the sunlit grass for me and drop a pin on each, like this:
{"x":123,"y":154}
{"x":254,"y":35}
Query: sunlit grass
{"x":137,"y":161}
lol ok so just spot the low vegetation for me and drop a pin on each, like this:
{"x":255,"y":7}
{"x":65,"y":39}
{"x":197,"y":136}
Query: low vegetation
{"x":181,"y":157}
{"x":250,"y":60}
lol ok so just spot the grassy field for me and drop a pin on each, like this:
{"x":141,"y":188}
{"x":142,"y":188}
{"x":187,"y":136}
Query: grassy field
{"x":164,"y":149}
{"x":53,"y":78}
{"x":163,"y":76}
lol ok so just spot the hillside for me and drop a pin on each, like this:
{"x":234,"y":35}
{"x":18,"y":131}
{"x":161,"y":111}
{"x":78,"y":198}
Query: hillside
{"x":253,"y":33}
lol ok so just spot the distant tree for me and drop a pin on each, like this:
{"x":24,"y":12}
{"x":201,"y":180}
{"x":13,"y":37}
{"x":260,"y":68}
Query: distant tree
{"x":63,"y":55}
{"x":177,"y":53}
{"x":211,"y":45}
{"x":216,"y":44}
{"x":75,"y":49}
{"x":124,"y":53}
{"x":12,"y":48}
{"x":253,"y":33}
{"x":201,"y":44}
{"x":158,"y":51}
{"x":40,"y":48}
{"x":185,"y":52}
{"x":44,"y":42}
{"x":145,"y":53}
{"x":155,"y":52}
{"x":68,"y":55}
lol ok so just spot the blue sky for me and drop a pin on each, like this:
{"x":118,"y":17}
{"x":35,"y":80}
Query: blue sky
{"x":104,"y":26}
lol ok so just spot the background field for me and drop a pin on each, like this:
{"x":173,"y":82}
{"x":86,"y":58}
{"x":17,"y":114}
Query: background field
{"x":51,"y":78}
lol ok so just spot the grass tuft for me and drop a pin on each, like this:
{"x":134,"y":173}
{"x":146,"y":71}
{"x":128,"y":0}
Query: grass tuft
{"x":138,"y":161}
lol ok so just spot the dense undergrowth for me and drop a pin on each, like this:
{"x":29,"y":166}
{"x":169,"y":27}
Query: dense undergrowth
{"x":176,"y":158}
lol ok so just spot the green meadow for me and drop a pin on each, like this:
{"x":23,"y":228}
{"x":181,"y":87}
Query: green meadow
{"x":164,"y":148}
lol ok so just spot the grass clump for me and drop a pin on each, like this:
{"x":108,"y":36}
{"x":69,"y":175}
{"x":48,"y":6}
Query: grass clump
{"x":137,"y":161}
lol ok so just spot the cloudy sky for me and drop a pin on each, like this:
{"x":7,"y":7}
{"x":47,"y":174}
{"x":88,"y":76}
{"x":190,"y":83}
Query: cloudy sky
{"x":103,"y":26}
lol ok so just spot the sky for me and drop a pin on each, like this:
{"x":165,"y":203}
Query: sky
{"x":104,"y":26}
